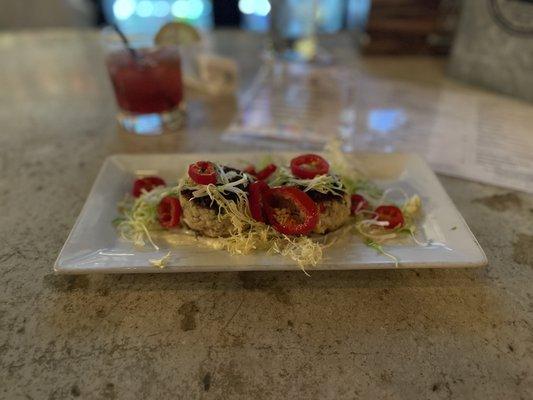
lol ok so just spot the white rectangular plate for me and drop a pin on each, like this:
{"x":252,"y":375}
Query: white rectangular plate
{"x":94,"y":247}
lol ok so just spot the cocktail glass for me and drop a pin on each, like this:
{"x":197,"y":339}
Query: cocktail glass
{"x":147,"y":81}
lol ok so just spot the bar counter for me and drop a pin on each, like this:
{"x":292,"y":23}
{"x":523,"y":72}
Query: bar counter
{"x":388,"y":334}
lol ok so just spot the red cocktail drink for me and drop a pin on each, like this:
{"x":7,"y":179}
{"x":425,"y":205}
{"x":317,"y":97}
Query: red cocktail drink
{"x":149,"y":83}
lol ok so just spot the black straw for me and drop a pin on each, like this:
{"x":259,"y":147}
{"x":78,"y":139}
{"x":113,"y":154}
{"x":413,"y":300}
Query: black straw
{"x":126,"y":42}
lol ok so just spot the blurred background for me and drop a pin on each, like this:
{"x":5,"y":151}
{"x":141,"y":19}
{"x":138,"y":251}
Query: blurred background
{"x":425,"y":23}
{"x":471,"y":74}
{"x":148,"y":15}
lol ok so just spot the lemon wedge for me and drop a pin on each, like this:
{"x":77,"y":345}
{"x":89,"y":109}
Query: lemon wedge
{"x":177,"y":34}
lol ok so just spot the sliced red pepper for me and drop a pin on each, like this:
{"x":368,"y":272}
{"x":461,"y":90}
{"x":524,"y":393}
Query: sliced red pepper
{"x":290,"y":211}
{"x":169,"y":212}
{"x":147,"y":184}
{"x":256,"y":193}
{"x":263,"y":174}
{"x":266,"y":172}
{"x":307,"y":166}
{"x":250,"y":169}
{"x":203,"y":172}
{"x":392,"y":214}
{"x":359,"y":203}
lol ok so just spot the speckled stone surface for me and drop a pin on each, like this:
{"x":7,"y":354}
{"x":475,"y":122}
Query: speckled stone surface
{"x":426,"y":334}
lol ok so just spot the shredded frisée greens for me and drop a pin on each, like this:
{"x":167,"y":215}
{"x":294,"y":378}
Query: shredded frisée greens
{"x":379,"y":248}
{"x":139,"y":216}
{"x":328,"y":183}
{"x":161,"y":262}
{"x":368,"y":226}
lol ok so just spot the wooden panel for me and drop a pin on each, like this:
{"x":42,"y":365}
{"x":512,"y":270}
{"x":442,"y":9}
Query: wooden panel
{"x":410,"y":26}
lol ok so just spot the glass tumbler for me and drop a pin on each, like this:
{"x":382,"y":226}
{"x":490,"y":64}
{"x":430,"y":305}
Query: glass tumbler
{"x":147,"y":82}
{"x":293,"y":27}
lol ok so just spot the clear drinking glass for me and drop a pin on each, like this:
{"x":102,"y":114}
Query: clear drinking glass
{"x":147,"y":84}
{"x":293,"y":29}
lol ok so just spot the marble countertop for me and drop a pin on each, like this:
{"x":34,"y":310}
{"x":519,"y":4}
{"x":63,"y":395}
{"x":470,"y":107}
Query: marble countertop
{"x":426,"y":334}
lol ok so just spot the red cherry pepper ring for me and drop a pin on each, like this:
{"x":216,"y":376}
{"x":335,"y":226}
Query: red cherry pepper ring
{"x":359,"y":204}
{"x":392,"y":214}
{"x":307,"y":166}
{"x":256,"y":193}
{"x":147,"y":184}
{"x":203,"y":172}
{"x":169,"y":212}
{"x":290,"y":211}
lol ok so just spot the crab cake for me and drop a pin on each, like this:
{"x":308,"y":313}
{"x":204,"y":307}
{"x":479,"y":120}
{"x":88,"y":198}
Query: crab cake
{"x":334,"y":209}
{"x":203,"y":215}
